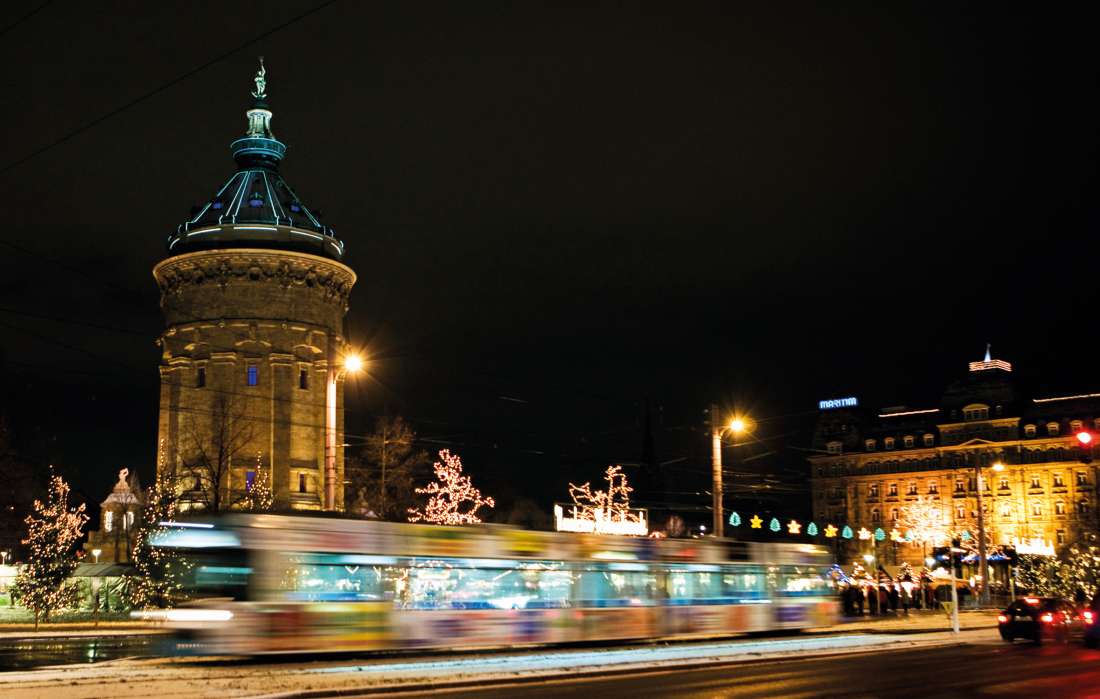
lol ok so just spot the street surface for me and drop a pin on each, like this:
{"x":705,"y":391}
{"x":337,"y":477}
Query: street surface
{"x":991,"y":668}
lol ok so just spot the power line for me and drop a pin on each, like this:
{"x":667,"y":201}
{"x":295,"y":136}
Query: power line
{"x":163,"y":87}
{"x":24,"y":18}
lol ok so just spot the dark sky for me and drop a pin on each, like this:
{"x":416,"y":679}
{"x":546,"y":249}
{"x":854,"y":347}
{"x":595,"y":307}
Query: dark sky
{"x":575,"y":209}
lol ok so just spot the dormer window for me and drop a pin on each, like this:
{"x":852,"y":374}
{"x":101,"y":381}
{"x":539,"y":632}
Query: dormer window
{"x":976,"y":411}
{"x":833,"y":447}
{"x":1076,"y":426}
{"x":908,"y":441}
{"x":929,"y":439}
{"x":869,"y":444}
{"x":889,"y":442}
{"x":1052,"y":428}
{"x":1029,"y":430}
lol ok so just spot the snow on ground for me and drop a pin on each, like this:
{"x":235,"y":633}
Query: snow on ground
{"x":180,"y":677}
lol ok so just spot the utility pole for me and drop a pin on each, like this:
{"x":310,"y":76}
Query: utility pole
{"x":716,"y":470}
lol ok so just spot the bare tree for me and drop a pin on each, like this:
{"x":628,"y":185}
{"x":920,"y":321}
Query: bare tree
{"x":213,"y":445}
{"x":381,"y":479}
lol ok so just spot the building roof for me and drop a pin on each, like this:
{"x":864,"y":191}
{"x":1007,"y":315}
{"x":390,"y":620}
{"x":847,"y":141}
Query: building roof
{"x":256,"y":207}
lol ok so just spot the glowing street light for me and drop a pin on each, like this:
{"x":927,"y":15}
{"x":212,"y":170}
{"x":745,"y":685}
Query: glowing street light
{"x":352,"y":364}
{"x":96,"y":552}
{"x":737,"y":425}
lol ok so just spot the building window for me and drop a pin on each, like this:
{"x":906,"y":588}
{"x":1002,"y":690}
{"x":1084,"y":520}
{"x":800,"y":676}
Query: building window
{"x":1029,"y":430}
{"x":1058,"y":482}
{"x":1061,"y":537}
{"x":1004,"y":483}
{"x":200,"y":378}
{"x":833,"y":447}
{"x":999,"y":410}
{"x":1059,"y":508}
{"x":960,"y":512}
{"x":869,"y":444}
{"x":872,"y":490}
{"x":894,"y":515}
{"x":249,"y":479}
{"x":303,"y":379}
{"x":1006,"y":510}
{"x":1082,"y":479}
{"x":908,"y":441}
{"x":128,"y":520}
{"x":1075,"y":426}
{"x":108,"y":520}
{"x":929,"y":439}
{"x":889,"y":442}
{"x":959,"y":486}
{"x":301,"y":482}
{"x":893,"y":491}
{"x":976,"y":412}
{"x":912,"y":488}
{"x":1083,"y":507}
{"x":874,"y":514}
{"x":1037,"y":509}
{"x":1035,"y":482}
{"x":253,"y":375}
{"x":1052,"y":428}
{"x":933,"y":487}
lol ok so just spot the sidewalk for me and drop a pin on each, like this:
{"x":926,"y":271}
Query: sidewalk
{"x":919,"y":621}
{"x":78,"y":629}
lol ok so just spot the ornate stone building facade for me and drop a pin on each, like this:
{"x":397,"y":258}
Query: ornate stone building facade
{"x":119,"y":516}
{"x":254,"y":296}
{"x":875,"y":468}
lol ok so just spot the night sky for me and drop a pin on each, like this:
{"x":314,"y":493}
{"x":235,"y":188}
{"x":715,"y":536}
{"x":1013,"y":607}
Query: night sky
{"x":560,"y":215}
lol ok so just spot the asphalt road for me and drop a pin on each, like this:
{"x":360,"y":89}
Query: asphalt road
{"x":21,"y":654}
{"x":954,"y":671}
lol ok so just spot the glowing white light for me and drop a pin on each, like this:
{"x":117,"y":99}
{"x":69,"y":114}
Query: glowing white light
{"x":184,"y":615}
{"x":254,"y":228}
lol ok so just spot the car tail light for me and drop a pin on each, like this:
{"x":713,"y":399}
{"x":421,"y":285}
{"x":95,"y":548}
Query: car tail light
{"x":1048,"y":618}
{"x":1001,"y":618}
{"x":1089,"y":616}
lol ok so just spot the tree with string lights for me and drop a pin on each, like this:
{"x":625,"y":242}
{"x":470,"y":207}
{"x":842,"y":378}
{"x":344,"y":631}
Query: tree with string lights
{"x":922,"y":521}
{"x":43,"y":583}
{"x":258,"y":496}
{"x":157,"y":577}
{"x":612,"y":504}
{"x":453,"y":499}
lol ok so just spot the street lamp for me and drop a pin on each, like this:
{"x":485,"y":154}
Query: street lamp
{"x":736,"y":425}
{"x":96,"y":552}
{"x":983,"y":559}
{"x":352,"y":363}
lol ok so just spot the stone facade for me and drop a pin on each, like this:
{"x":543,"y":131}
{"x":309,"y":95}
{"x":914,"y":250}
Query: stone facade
{"x":119,"y":516}
{"x":871,"y":465}
{"x":251,"y":337}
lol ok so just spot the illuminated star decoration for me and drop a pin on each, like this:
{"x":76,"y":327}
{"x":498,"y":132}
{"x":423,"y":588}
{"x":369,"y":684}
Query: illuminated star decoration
{"x":774,"y":525}
{"x":830,"y":531}
{"x":864,"y":534}
{"x":812,"y":529}
{"x":794,"y":527}
{"x":755,"y":522}
{"x":896,"y":536}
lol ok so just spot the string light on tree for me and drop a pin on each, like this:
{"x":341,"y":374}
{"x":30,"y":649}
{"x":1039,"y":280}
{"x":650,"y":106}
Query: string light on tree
{"x":42,"y":584}
{"x":159,"y":572}
{"x":258,"y":496}
{"x":453,"y":498}
{"x":605,"y":506}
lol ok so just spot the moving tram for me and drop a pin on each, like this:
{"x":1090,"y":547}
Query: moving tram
{"x":279,"y":584}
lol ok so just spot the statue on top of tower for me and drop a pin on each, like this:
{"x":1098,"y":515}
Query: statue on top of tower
{"x":261,"y":81}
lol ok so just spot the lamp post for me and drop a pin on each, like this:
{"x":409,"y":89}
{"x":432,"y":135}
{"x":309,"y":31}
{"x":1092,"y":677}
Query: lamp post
{"x":737,"y":425}
{"x":983,"y":559}
{"x":352,"y":363}
{"x":96,"y":552}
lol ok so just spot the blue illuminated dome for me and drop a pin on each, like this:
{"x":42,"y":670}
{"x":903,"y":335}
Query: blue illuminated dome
{"x":257,"y":207}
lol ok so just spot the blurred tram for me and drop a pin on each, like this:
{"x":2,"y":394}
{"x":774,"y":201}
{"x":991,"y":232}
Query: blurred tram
{"x":278,"y":584}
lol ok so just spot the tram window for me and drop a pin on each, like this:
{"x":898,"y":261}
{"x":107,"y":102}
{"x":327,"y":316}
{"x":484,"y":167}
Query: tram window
{"x":437,"y":584}
{"x":796,"y":580}
{"x":325,"y":577}
{"x":619,"y":583}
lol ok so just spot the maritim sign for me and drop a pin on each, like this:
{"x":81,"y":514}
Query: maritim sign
{"x":849,"y":402}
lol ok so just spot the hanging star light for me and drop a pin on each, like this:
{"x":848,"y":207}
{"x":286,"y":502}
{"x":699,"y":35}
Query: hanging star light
{"x":830,"y":531}
{"x":735,"y":519}
{"x":793,"y":527}
{"x":896,"y":536}
{"x":774,"y":525}
{"x":864,"y":534}
{"x":811,"y":529}
{"x":755,"y":522}
{"x":847,"y":533}
{"x":879,"y":534}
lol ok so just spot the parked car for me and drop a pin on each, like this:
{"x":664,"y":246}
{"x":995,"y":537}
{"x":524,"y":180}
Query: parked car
{"x":1041,"y":619}
{"x":1090,"y":615}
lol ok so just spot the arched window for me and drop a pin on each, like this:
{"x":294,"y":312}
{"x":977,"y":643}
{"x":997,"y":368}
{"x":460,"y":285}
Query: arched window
{"x":929,"y":438}
{"x":1076,"y":426}
{"x":908,"y":441}
{"x":108,"y":520}
{"x":869,"y":444}
{"x":1052,"y":428}
{"x":833,"y":447}
{"x":1029,"y":430}
{"x":889,"y":442}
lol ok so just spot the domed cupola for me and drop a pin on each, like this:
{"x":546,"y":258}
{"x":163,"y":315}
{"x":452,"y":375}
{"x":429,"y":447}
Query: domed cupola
{"x":256,"y":208}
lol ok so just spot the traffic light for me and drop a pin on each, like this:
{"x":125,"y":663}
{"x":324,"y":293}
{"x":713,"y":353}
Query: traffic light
{"x":1084,"y":443}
